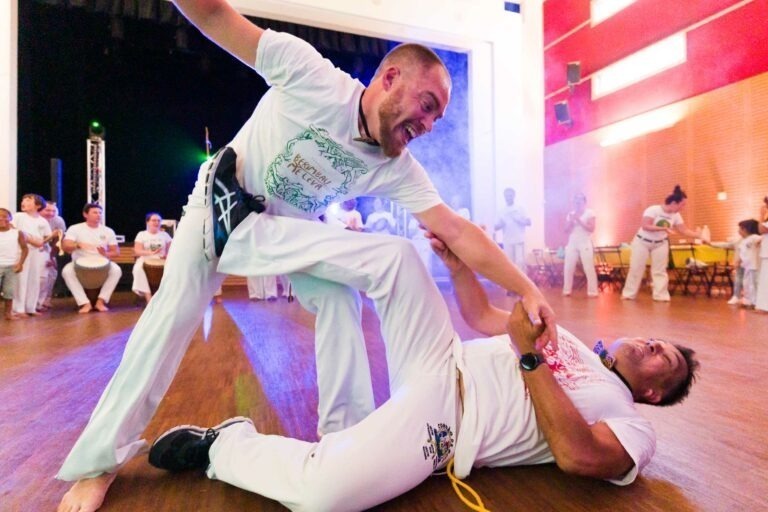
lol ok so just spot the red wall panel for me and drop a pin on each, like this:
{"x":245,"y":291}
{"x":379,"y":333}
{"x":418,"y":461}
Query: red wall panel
{"x":637,"y":26}
{"x":562,"y":16}
{"x":719,"y":53}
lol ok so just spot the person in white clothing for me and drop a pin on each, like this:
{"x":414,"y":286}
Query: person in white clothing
{"x":512,"y":223}
{"x":50,"y":269}
{"x":522,"y":403}
{"x":91,"y":238}
{"x":38,"y":233}
{"x":659,"y":221}
{"x":580,"y":224}
{"x":318,"y":136}
{"x":761,"y":300}
{"x":380,"y":220}
{"x":346,"y":217}
{"x":153,"y":242}
{"x":749,"y":259}
{"x":13,"y":252}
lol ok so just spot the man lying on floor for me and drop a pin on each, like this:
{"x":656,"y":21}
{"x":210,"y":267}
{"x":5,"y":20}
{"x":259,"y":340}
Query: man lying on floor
{"x":485,"y":402}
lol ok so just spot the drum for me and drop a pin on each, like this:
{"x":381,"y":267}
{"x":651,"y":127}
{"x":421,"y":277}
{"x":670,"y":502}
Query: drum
{"x":153,"y":268}
{"x":92,"y":271}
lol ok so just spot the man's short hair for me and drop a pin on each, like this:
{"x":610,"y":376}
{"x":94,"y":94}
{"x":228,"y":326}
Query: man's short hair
{"x":89,"y":206}
{"x":680,"y":392}
{"x":410,"y":53}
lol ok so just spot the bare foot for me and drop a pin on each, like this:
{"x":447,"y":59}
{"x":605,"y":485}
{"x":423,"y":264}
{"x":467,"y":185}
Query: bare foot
{"x":100,"y":306}
{"x":11,"y":317}
{"x":85,"y":308}
{"x":86,"y":495}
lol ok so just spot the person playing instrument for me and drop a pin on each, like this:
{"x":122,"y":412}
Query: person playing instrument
{"x":13,"y":252}
{"x":91,"y":238}
{"x":152,"y":242}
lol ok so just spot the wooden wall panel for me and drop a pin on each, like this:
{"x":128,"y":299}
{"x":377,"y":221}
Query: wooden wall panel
{"x":721,"y":145}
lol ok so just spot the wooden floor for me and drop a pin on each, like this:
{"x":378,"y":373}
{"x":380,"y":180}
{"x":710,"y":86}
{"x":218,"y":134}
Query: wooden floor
{"x":256,"y":359}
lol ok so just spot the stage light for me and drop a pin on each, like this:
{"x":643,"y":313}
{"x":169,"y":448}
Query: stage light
{"x":96,"y":129}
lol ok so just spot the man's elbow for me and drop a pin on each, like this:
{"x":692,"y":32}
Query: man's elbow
{"x":587,"y":465}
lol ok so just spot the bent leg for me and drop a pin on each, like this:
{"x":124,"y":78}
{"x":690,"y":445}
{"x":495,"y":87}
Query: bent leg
{"x":388,"y":453}
{"x":415,"y":322}
{"x":345,"y":391}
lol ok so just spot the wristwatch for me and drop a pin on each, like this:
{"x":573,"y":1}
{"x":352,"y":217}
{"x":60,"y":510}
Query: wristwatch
{"x":530,"y":361}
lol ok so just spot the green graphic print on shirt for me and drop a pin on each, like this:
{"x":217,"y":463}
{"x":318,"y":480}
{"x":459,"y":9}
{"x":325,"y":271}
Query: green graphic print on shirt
{"x":313,"y":171}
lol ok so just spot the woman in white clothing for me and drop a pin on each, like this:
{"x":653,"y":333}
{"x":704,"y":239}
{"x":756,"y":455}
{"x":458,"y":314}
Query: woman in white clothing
{"x":153,"y":242}
{"x":659,"y":221}
{"x":580,"y":224}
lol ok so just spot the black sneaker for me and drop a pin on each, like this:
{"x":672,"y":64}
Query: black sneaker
{"x":186,"y":447}
{"x":229,"y":203}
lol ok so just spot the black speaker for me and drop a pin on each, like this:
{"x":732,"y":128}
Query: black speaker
{"x":573,"y":73}
{"x":56,"y":195}
{"x":562,"y":113}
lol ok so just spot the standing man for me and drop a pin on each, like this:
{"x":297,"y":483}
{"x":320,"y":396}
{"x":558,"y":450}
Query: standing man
{"x":91,"y":238}
{"x":580,"y":224}
{"x":512,"y":224}
{"x":316,"y":137}
{"x":50,"y":269}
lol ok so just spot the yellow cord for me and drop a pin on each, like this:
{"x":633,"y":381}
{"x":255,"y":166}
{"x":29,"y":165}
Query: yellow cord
{"x":458,"y":485}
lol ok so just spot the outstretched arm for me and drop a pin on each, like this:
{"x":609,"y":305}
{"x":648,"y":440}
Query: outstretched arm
{"x":479,"y":314}
{"x":482,"y":255}
{"x":223,"y":25}
{"x":578,"y":448}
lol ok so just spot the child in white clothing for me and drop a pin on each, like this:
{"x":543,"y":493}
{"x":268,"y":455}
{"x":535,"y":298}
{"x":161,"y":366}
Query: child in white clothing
{"x":13,"y":252}
{"x":749,"y":260}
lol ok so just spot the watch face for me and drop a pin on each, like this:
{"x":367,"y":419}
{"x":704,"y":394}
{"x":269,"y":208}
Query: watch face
{"x":529,"y":361}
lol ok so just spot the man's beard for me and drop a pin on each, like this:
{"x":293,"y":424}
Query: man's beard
{"x":390,"y":110}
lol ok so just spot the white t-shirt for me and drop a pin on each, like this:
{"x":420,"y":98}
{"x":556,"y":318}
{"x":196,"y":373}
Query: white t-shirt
{"x":579,"y":236}
{"x":9,"y":247}
{"x":749,"y":252}
{"x":98,"y":236}
{"x":513,"y":228}
{"x":37,"y":227}
{"x":499,"y":426}
{"x":660,"y":218}
{"x":297,"y":149}
{"x":374,"y":218}
{"x":152,"y":242}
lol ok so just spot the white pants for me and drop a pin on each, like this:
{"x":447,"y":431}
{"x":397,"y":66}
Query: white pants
{"x":140,"y":284}
{"x":262,"y":287}
{"x":516,"y":254}
{"x":344,"y":396}
{"x":28,"y":287}
{"x":162,"y":335}
{"x":659,"y":260}
{"x":750,"y":286}
{"x":48,"y":277}
{"x":397,"y":446}
{"x":105,"y":293}
{"x":585,"y":253}
{"x":761,"y":301}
